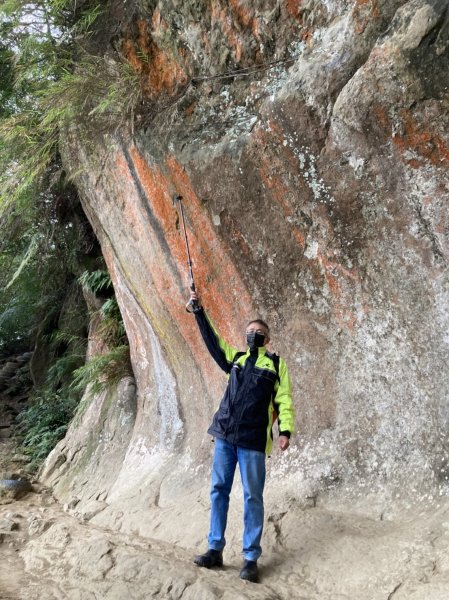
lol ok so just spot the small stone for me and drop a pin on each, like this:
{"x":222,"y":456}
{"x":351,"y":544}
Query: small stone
{"x":92,"y":508}
{"x":14,"y":487}
{"x":22,"y":458}
{"x":8,"y":525}
{"x":13,"y":515}
{"x":36,"y":525}
{"x":71,"y":504}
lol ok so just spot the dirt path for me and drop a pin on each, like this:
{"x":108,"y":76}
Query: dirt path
{"x":311,"y":553}
{"x":50,"y":555}
{"x":13,"y":579}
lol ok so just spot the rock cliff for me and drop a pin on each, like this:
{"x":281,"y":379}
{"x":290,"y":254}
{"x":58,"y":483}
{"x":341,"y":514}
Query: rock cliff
{"x":309,"y":142}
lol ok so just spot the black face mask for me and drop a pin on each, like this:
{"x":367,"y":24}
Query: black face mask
{"x":255,"y":340}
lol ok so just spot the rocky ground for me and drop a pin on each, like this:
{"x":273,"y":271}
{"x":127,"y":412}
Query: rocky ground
{"x":318,"y":549}
{"x":322,"y":548}
{"x":312,"y":553}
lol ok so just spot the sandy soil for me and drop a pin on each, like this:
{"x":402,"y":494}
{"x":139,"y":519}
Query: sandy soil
{"x":310,"y":553}
{"x":50,"y":555}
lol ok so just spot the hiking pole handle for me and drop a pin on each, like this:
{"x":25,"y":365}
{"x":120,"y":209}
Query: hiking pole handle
{"x":193,"y":305}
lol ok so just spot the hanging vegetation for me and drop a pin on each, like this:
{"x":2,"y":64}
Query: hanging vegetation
{"x":49,"y":82}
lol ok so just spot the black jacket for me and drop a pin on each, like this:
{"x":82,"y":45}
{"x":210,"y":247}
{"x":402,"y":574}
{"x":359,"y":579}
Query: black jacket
{"x":257,"y":393}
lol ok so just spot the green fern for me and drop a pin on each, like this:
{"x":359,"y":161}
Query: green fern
{"x":29,"y":254}
{"x":49,"y":84}
{"x":67,"y":338}
{"x":96,"y":281}
{"x":57,"y":91}
{"x":44,"y":423}
{"x":111,"y":328}
{"x":103,"y":371}
{"x":62,"y":369}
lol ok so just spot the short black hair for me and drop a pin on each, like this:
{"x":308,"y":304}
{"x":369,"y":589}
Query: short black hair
{"x":261,"y":322}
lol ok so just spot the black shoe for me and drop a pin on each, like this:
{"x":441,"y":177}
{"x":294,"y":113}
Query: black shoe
{"x":250,"y":572}
{"x":212,"y":558}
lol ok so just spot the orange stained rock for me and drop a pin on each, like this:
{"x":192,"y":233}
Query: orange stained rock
{"x":244,"y":16}
{"x":163,"y":284}
{"x":156,"y":19}
{"x":224,"y":19}
{"x":160,"y":71}
{"x":382,"y":118}
{"x":363,"y":11}
{"x":342,"y":283}
{"x":420,"y":139}
{"x":255,"y":28}
{"x":218,"y":281}
{"x":220,"y":284}
{"x":165,"y":73}
{"x":157,"y":188}
{"x":129,"y":51}
{"x":344,"y":315}
{"x":161,"y":278}
{"x":189,"y":110}
{"x":414,"y":136}
{"x":293,"y":8}
{"x":137,"y":51}
{"x":122,"y":167}
{"x":307,"y":36}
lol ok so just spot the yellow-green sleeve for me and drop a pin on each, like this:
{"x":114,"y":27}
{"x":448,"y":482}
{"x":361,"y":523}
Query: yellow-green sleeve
{"x":284,"y":402}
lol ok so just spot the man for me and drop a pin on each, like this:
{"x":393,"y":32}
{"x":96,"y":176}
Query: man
{"x":258,"y":392}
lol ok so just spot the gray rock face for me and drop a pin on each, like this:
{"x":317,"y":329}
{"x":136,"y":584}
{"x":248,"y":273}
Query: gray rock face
{"x":315,"y":192}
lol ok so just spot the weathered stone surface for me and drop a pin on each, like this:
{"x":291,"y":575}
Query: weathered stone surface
{"x":314,"y":555}
{"x":8,"y":524}
{"x":20,"y":458}
{"x":315,"y":195}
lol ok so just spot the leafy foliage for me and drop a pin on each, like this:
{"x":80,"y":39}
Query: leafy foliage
{"x":39,"y":245}
{"x":111,"y":328}
{"x":103,"y":371}
{"x":44,"y":423}
{"x":40,"y":255}
{"x":7,"y":91}
{"x":60,"y":371}
{"x":96,"y":281}
{"x":106,"y":369}
{"x":48,"y":83}
{"x":48,"y":90}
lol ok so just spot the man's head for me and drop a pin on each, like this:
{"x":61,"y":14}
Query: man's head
{"x":257,"y":333}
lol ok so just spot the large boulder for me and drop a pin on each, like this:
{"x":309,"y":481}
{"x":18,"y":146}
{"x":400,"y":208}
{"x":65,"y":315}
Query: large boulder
{"x":309,"y":142}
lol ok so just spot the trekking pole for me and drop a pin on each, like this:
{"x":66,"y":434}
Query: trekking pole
{"x":193,"y":303}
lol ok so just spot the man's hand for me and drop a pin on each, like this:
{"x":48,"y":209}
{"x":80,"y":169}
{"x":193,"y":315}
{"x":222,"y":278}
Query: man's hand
{"x":193,"y":302}
{"x":284,"y":442}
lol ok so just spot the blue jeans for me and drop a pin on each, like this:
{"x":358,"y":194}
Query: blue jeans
{"x":252,"y":472}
